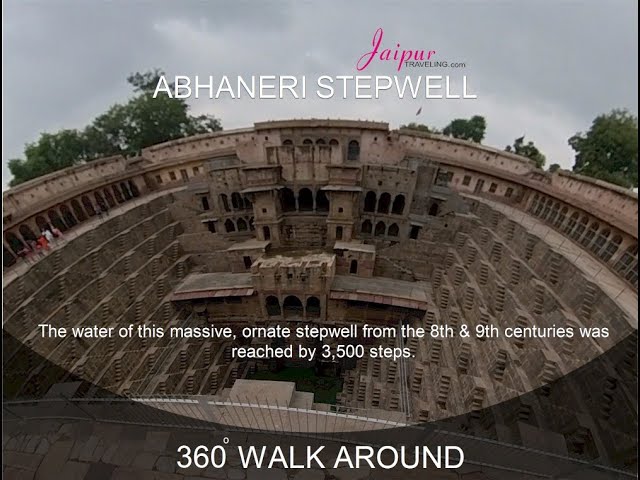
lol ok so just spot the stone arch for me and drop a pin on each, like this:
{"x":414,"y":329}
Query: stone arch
{"x":579,"y":230}
{"x":353,"y":150}
{"x":313,"y":308}
{"x":627,"y":266}
{"x":125,"y":191}
{"x":393,"y":230}
{"x":41,"y":223}
{"x":539,"y":206}
{"x":88,"y":206}
{"x":534,"y":203}
{"x":110,"y":200}
{"x":102,"y":204}
{"x":292,"y":306}
{"x":434,"y":209}
{"x":370,"y":201}
{"x":305,"y":200}
{"x":339,"y":232}
{"x":133,"y":188}
{"x":80,"y":215}
{"x":287,"y":200}
{"x":562,"y":217}
{"x":333,"y":142}
{"x":611,"y":248}
{"x":288,"y":143}
{"x":27,"y":233}
{"x":117,"y":193}
{"x":600,"y":241}
{"x":307,"y":141}
{"x":590,"y":234}
{"x":353,"y":266}
{"x":398,"y":205}
{"x":380,"y":230}
{"x":554,"y":213}
{"x":322,"y":201}
{"x":14,"y":242}
{"x":229,"y":225}
{"x":266,"y":233}
{"x":67,"y":215}
{"x":56,"y":221}
{"x":367,"y":227}
{"x":236,"y":201}
{"x":573,"y":219}
{"x":242,"y":225}
{"x":320,"y":141}
{"x":273,"y":306}
{"x":384,"y":202}
{"x":547,"y":208}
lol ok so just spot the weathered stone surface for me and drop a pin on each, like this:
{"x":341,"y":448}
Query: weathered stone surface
{"x":166,"y":464}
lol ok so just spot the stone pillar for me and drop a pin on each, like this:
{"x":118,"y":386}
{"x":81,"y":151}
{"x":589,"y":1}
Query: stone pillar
{"x":622,"y":248}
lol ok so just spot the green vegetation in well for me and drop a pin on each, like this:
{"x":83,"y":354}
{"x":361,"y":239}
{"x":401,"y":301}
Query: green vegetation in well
{"x":325,"y":389}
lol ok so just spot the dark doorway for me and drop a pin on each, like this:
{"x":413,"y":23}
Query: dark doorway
{"x":292,"y":306}
{"x":384,"y":202}
{"x":398,"y":205}
{"x":305,"y":200}
{"x":370,"y":202}
{"x":353,"y":268}
{"x":353,"y":150}
{"x":273,"y":306}
{"x":287,"y":200}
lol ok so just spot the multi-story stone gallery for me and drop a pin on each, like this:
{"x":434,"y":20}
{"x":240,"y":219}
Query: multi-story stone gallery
{"x":333,"y":223}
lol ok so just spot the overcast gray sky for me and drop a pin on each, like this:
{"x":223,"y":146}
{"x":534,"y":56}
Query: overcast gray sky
{"x":544,"y":69}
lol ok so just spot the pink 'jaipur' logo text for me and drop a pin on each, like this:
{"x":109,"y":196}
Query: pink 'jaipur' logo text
{"x":387,"y":54}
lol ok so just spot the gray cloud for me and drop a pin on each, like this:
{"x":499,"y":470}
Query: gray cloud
{"x":544,"y":69}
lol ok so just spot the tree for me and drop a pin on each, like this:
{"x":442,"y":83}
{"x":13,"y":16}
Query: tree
{"x":123,"y":129}
{"x":528,"y":150}
{"x":420,"y":127}
{"x":609,"y":150}
{"x":472,"y":129}
{"x":554,"y":167}
{"x":50,"y":153}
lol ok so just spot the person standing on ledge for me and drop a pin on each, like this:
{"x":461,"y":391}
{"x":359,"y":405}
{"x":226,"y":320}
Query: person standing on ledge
{"x":48,"y":235}
{"x":57,"y":233}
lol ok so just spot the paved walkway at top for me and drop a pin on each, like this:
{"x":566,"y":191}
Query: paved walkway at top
{"x":22,"y":266}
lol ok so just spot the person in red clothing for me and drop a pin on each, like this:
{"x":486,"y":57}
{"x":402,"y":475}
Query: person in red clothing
{"x":43,"y":243}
